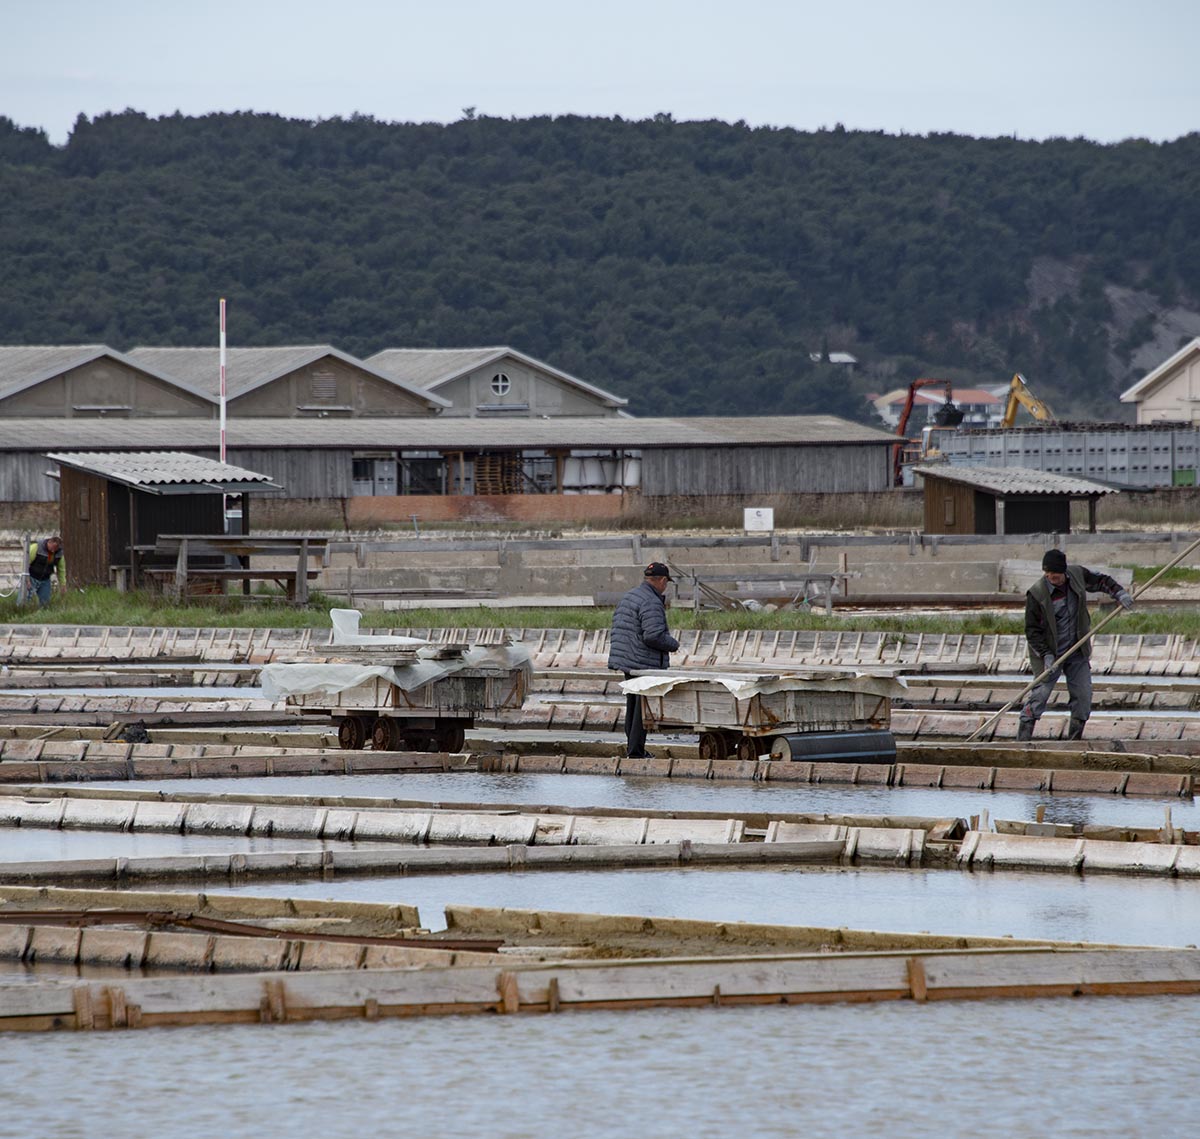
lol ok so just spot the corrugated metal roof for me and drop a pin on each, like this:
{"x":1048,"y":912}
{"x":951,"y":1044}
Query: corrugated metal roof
{"x":1013,"y":480}
{"x":249,"y":368}
{"x":429,"y":368}
{"x":420,"y":433}
{"x":26,"y":366}
{"x":149,"y":469}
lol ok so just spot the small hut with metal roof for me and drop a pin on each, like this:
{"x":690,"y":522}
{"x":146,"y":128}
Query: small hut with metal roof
{"x":1003,"y":500}
{"x":111,"y":502}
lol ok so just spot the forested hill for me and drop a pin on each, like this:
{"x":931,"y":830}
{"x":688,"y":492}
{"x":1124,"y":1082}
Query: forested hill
{"x":692,"y":267}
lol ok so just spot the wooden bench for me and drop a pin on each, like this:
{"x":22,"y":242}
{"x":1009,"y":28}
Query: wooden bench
{"x":286,"y":579}
{"x":185,"y":547}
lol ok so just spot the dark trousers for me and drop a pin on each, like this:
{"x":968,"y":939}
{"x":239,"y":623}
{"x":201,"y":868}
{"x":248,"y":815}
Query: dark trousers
{"x":1079,"y":690}
{"x":635,"y":731}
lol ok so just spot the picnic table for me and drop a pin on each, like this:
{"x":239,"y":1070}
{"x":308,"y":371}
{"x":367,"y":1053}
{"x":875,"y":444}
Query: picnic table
{"x":185,"y":548}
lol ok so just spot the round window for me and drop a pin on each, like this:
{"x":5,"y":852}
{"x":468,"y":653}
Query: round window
{"x":500,"y":384}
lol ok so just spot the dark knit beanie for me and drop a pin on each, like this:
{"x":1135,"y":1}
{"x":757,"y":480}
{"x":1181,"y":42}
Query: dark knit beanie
{"x":1054,"y":561}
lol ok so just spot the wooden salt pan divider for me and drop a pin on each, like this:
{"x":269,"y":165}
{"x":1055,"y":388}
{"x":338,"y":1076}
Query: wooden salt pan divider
{"x":1170,"y":654}
{"x":682,"y":982}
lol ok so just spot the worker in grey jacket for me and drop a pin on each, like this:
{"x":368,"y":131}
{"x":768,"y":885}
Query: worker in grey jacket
{"x":640,"y":640}
{"x":1056,"y":617}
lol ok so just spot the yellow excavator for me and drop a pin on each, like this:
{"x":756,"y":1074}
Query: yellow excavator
{"x":1019,"y":395}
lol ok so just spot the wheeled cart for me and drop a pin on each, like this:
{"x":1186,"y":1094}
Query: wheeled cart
{"x":398,"y":693}
{"x":746,"y":714}
{"x":429,"y":717}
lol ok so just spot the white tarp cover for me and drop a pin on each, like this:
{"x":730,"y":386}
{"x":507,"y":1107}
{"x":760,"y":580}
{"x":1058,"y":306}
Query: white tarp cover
{"x":282,"y":680}
{"x":345,"y":632}
{"x":745,"y":685}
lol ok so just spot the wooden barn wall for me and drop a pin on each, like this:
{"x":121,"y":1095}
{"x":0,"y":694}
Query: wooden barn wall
{"x":794,"y":469}
{"x":1037,"y":515}
{"x":177,"y":514}
{"x":302,"y":473}
{"x":949,"y":507}
{"x":83,"y":524}
{"x":23,"y":477}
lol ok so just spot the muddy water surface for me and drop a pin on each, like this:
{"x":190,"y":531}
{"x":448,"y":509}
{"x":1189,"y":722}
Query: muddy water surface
{"x":1067,"y":1068}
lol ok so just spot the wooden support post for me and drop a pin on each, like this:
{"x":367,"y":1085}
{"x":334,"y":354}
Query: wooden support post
{"x":301,"y":589}
{"x":179,"y":589}
{"x":118,"y":1015}
{"x":916,"y":979}
{"x":84,"y":1013}
{"x":510,"y":999}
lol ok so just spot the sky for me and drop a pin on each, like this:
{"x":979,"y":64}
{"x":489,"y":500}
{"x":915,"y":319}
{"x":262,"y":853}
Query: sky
{"x":1102,"y":69}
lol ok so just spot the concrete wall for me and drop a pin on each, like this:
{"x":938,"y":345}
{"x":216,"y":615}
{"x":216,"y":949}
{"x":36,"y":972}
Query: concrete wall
{"x":578,"y":567}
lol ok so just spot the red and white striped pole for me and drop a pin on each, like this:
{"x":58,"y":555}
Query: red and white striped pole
{"x":222,"y":379}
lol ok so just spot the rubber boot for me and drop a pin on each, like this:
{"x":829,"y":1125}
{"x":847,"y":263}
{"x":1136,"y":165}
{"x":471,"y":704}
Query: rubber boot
{"x":1075,"y":730}
{"x":1024,"y":731}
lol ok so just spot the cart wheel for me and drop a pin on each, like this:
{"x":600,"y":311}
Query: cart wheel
{"x":713,"y":746}
{"x":352,"y":733}
{"x":450,"y":737}
{"x":385,"y":735}
{"x":748,"y":748}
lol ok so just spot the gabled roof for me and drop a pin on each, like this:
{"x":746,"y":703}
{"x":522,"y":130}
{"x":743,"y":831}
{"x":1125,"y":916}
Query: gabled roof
{"x":27,"y":366}
{"x":165,"y":472}
{"x":430,"y":368}
{"x":247,"y":369}
{"x":1151,"y":380}
{"x":1013,"y":480}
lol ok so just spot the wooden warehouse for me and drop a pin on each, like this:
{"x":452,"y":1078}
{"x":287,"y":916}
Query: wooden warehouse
{"x":1003,"y":500}
{"x":111,"y":503}
{"x":300,"y":381}
{"x":387,"y":463}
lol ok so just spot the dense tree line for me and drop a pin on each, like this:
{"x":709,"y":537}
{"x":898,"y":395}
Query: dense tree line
{"x":693,"y":267}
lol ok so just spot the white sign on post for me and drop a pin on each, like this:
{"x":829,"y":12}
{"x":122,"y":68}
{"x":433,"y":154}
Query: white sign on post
{"x":759,"y":518}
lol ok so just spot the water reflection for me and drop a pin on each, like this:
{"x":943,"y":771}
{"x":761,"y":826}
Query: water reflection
{"x":34,"y":844}
{"x":1137,"y":911}
{"x":891,"y":1069}
{"x":703,"y":795}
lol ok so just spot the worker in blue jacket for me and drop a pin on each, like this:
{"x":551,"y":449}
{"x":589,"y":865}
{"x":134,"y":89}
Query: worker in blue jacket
{"x":1056,"y":617}
{"x":640,"y":640}
{"x":46,"y":560}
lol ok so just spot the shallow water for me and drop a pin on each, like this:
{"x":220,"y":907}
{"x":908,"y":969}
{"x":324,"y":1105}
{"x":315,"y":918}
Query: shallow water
{"x":1067,"y":1068}
{"x":702,"y":795}
{"x":1106,"y":908}
{"x":30,"y":844}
